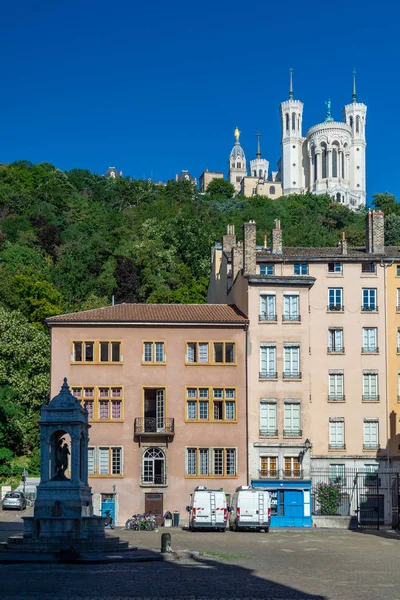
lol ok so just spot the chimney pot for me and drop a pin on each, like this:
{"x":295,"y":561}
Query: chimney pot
{"x":277,"y":247}
{"x":249,"y":248}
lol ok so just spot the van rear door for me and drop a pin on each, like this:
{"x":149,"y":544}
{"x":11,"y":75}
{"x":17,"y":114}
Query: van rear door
{"x":202,"y":505}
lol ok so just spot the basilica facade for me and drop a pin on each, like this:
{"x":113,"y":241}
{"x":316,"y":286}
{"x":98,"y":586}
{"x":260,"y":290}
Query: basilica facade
{"x":328,"y":159}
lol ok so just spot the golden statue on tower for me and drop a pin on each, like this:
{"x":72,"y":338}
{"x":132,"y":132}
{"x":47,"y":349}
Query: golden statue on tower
{"x":236,"y":133}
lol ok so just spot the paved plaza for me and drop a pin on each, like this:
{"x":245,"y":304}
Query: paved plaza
{"x":310,"y":564}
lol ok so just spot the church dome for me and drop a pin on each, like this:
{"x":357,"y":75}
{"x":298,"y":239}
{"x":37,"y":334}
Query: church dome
{"x":237,"y":151}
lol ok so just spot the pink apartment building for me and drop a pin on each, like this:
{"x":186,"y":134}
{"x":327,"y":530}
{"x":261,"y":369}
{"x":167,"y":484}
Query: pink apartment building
{"x":165,"y":389}
{"x":317,"y":362}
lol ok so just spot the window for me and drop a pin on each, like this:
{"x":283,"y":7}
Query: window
{"x":398,"y":340}
{"x":197,"y":352}
{"x":336,"y":387}
{"x":209,"y":462}
{"x":291,"y":307}
{"x":292,"y":467}
{"x":272,"y":190}
{"x":222,"y":353}
{"x":371,"y":434}
{"x":369,"y":299}
{"x":370,"y":339}
{"x":300,"y":269}
{"x":335,"y":299}
{"x":268,"y":361}
{"x":398,"y":386}
{"x":291,"y":367}
{"x":103,"y":403}
{"x":105,"y":460}
{"x":336,"y":434}
{"x":336,"y":474}
{"x":293,"y":121}
{"x":222,"y":400}
{"x":110,"y":351}
{"x":334,"y":163}
{"x":368,"y":267}
{"x":154,"y":353}
{"x":268,"y":422}
{"x":335,"y":340}
{"x":268,"y":466}
{"x":398,"y":270}
{"x":267,"y":269}
{"x":291,"y":420}
{"x":335,"y":267}
{"x":267,"y":307}
{"x":153,"y":467}
{"x":398,"y":300}
{"x":370,"y":387}
{"x":97,"y":352}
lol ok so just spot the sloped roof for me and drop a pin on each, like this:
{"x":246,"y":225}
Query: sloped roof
{"x":326,"y":252}
{"x":156,"y":313}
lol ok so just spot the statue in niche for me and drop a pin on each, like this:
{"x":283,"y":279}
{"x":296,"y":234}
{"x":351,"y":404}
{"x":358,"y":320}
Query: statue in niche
{"x":62,"y":453}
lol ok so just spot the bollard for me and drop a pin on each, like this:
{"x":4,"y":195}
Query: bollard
{"x":165,"y":543}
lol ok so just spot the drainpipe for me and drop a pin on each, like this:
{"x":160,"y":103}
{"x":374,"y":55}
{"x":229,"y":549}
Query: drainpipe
{"x":247,"y":406}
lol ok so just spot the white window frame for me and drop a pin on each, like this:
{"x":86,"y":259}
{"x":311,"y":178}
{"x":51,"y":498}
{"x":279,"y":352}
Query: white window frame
{"x":267,"y":307}
{"x":370,"y":386}
{"x":336,"y":434}
{"x":371,"y":434}
{"x":335,"y":339}
{"x":291,"y":418}
{"x":337,"y":294}
{"x":370,"y":339}
{"x":268,"y":417}
{"x":268,"y":360}
{"x":291,"y":361}
{"x":291,"y":307}
{"x":336,"y":386}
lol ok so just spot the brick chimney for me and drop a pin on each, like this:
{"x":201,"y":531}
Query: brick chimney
{"x":229,"y":239}
{"x":343,"y":243}
{"x":249,"y":248}
{"x":277,"y":238}
{"x":375,"y":232}
{"x":237,"y":259}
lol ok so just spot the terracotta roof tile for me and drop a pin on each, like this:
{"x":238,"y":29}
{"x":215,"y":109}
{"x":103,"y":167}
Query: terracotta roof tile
{"x":156,"y":313}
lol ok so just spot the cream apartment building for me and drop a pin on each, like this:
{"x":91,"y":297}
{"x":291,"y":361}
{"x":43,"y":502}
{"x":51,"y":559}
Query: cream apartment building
{"x":317,"y":350}
{"x":164,"y":386}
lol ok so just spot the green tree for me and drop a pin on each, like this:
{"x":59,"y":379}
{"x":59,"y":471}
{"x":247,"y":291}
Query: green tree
{"x":392,"y":230}
{"x":220,"y":188}
{"x":386,"y":202}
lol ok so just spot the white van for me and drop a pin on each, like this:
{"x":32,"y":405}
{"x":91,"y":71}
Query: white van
{"x":250,"y":508}
{"x":208,"y":509}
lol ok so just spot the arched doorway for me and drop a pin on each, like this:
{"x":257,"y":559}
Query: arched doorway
{"x":153,"y":467}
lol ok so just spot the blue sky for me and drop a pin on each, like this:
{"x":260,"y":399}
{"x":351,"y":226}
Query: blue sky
{"x":156,"y":87}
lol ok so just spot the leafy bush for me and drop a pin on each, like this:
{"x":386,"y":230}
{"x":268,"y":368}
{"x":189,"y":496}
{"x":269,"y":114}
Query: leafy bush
{"x":329,"y":497}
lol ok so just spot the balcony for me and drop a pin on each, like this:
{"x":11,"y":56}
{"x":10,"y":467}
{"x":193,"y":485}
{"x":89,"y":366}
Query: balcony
{"x":335,"y":307}
{"x":336,"y":398}
{"x":370,"y":350}
{"x":292,"y":474}
{"x":370,"y":398}
{"x":291,"y":375}
{"x":335,"y":349}
{"x":268,"y":473}
{"x":371,"y":446}
{"x":337,"y":446}
{"x":268,"y":433}
{"x":268,"y":375}
{"x":153,"y":427}
{"x":266,"y":317}
{"x":291,"y":318}
{"x":292,"y":433}
{"x":369,"y":308}
{"x":152,"y":480}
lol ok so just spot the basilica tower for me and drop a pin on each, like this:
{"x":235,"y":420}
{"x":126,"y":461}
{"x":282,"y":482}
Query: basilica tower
{"x":292,"y":143}
{"x":354,"y":115}
{"x":237,"y":163}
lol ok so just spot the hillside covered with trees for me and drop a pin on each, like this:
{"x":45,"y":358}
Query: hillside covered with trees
{"x":71,"y":240}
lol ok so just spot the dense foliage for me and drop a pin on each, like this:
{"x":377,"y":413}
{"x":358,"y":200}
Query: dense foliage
{"x":329,"y":497}
{"x":71,"y":240}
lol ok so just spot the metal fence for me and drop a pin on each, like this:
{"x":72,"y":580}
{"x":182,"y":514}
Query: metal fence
{"x":370,"y":496}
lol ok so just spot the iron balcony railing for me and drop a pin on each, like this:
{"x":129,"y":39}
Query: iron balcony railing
{"x":294,"y":432}
{"x":335,"y":349}
{"x":371,"y":446}
{"x":370,"y":397}
{"x":369,"y":308}
{"x":154,"y":479}
{"x":291,"y":375}
{"x":337,"y":446}
{"x":292,"y":474}
{"x":293,"y":318}
{"x":268,"y":473}
{"x":369,"y":350}
{"x":268,"y":432}
{"x":152,"y":425}
{"x":267,"y":317}
{"x":336,"y":398}
{"x":268,"y":375}
{"x":335,"y":307}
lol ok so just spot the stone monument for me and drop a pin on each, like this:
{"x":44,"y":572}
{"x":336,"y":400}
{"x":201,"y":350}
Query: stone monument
{"x":63,"y":514}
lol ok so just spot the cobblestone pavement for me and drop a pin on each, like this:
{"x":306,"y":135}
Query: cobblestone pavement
{"x":298,"y":565}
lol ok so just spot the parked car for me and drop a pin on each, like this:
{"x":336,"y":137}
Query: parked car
{"x":15,"y":500}
{"x":208,"y":509}
{"x":250,"y":509}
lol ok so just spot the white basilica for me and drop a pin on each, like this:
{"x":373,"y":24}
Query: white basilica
{"x":330,"y":159}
